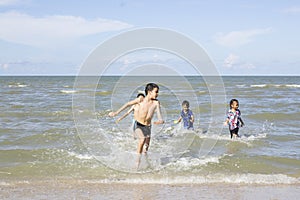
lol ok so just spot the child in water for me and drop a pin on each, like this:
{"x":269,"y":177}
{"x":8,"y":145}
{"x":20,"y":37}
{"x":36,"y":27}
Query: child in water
{"x":143,"y":115}
{"x":234,"y":119}
{"x":186,"y":115}
{"x":141,"y":97}
{"x":133,"y":110}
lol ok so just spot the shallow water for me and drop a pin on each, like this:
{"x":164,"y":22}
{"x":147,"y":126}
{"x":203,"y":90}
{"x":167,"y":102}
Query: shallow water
{"x":51,"y":129}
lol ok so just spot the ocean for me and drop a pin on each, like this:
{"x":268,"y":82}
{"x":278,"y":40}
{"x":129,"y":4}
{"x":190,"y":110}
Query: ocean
{"x":58,"y":128}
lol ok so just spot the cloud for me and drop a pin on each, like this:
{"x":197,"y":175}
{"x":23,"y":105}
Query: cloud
{"x":231,"y":60}
{"x":5,"y":66}
{"x":234,"y":62}
{"x":292,"y":10}
{"x":239,"y":38}
{"x":39,"y":31}
{"x":8,"y":65}
{"x":30,"y":67}
{"x":9,"y":2}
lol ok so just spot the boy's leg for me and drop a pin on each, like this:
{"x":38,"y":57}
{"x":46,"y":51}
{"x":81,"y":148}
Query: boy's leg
{"x":141,"y":143}
{"x":147,"y":143}
{"x":139,"y":134}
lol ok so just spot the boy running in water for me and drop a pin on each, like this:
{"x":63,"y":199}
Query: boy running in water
{"x":143,"y":116}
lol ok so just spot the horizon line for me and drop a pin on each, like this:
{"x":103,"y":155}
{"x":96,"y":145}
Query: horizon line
{"x":47,"y":75}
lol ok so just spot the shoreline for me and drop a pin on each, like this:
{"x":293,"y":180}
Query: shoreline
{"x":91,"y":189}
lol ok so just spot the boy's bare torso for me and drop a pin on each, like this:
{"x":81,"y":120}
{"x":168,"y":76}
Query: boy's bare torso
{"x":144,"y":111}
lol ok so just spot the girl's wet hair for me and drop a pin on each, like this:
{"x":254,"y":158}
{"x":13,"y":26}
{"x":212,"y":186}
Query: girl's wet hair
{"x":150,"y":87}
{"x":233,"y":100}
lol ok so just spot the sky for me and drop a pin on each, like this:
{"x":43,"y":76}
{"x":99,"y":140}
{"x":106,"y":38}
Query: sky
{"x":55,"y":37}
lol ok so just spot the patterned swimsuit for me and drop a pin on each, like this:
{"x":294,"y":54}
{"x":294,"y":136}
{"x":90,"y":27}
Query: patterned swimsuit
{"x":234,"y":119}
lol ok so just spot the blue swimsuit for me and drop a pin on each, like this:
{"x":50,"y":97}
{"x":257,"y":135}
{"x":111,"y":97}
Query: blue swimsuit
{"x":186,"y":117}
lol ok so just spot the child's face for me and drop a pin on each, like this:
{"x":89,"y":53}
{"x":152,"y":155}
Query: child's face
{"x":154,"y":93}
{"x":235,"y":105}
{"x":185,"y":108}
{"x":141,"y":98}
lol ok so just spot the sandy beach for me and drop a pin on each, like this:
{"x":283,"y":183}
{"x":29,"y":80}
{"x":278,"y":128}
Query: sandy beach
{"x":81,"y":189}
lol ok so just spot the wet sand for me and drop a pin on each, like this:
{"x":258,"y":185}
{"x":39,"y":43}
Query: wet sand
{"x":66,"y":189}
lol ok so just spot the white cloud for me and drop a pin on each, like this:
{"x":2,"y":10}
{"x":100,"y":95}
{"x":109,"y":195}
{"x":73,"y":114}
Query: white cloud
{"x":8,"y":65}
{"x":234,"y":62}
{"x":5,"y":66}
{"x":247,"y":66}
{"x":239,"y":38}
{"x":25,"y":29}
{"x":293,"y":10}
{"x":231,"y":60}
{"x":9,"y":2}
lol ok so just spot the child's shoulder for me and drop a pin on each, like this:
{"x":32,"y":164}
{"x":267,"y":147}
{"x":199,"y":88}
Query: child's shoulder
{"x":155,"y":100}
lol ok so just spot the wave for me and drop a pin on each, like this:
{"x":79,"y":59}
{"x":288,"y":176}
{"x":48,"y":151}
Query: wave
{"x":185,"y":170}
{"x":259,"y":86}
{"x":68,"y":91}
{"x":272,"y":85}
{"x":202,"y":92}
{"x":186,"y":163}
{"x":244,"y":138}
{"x":271,"y":116}
{"x":226,"y":137}
{"x":81,"y":156}
{"x":249,"y":178}
{"x":17,"y":85}
{"x":103,"y":93}
{"x":293,"y":85}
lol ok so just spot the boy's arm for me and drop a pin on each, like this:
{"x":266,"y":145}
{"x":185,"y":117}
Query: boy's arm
{"x":130,"y":103}
{"x":179,"y":120}
{"x":159,"y":116}
{"x":192,"y":118}
{"x":126,"y":114}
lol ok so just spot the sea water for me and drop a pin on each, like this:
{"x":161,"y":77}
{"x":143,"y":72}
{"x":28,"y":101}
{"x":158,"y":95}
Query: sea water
{"x":51,"y":128}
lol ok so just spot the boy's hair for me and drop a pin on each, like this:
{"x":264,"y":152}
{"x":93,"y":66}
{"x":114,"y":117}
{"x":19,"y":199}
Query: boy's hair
{"x":185,"y":102}
{"x":233,"y":100}
{"x":150,"y":87}
{"x":140,"y":94}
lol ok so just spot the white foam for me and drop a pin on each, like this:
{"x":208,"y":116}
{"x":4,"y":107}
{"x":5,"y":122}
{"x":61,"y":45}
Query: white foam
{"x":4,"y":184}
{"x":257,"y":179}
{"x":68,"y":91}
{"x":293,"y":85}
{"x":5,"y":173}
{"x":81,"y":156}
{"x":241,"y":86}
{"x":202,"y":92}
{"x":19,"y":85}
{"x":259,"y":86}
{"x":188,"y":163}
{"x":262,"y":179}
{"x":243,"y":138}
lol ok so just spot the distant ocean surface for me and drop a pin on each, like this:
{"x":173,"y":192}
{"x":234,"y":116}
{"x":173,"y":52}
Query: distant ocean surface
{"x":46,"y":132}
